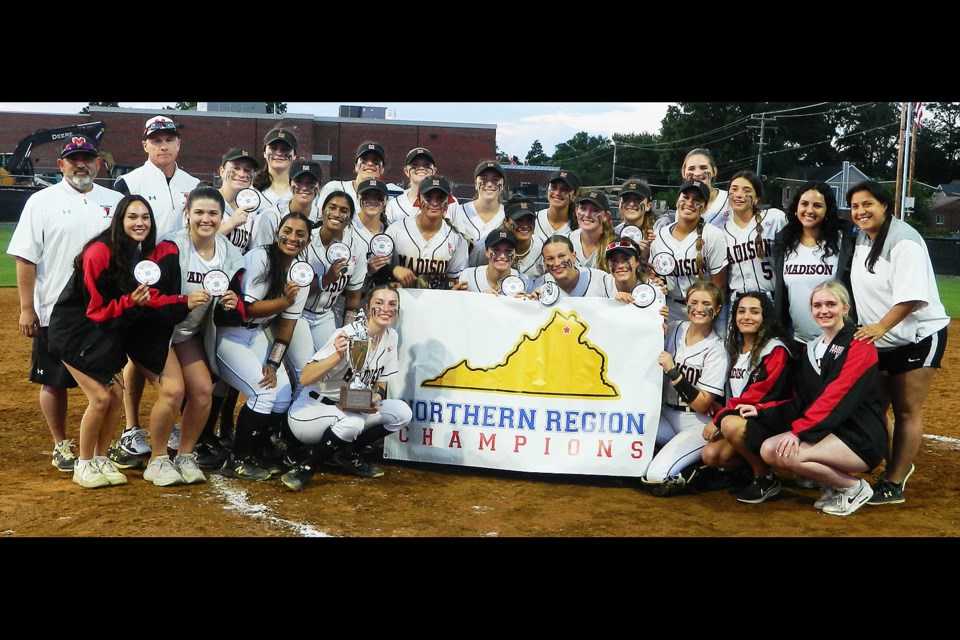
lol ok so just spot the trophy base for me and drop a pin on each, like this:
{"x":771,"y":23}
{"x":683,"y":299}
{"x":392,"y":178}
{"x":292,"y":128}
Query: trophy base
{"x":356,"y":400}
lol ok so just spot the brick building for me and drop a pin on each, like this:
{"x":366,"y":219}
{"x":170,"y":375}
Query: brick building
{"x":458,"y":147}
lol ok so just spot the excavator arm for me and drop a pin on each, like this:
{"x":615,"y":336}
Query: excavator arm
{"x":19,"y":164}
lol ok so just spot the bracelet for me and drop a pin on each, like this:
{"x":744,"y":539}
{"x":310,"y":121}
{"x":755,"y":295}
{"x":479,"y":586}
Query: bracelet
{"x":276,"y":352}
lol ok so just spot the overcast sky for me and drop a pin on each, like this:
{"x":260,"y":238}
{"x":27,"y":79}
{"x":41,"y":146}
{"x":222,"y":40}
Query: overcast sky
{"x":518,"y":123}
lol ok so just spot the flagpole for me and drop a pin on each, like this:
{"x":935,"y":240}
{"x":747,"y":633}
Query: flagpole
{"x":903,"y":110}
{"x":913,"y":152}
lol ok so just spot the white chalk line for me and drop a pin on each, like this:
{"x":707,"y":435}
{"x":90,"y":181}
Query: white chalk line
{"x":946,"y":439}
{"x":237,"y":501}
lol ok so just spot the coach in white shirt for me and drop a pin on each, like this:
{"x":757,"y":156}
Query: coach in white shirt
{"x":55,"y":224}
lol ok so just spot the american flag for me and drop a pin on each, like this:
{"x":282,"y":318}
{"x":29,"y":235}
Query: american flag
{"x":917,"y":113}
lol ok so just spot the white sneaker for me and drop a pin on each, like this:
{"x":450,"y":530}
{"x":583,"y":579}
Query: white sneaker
{"x":136,"y":441}
{"x":844,"y":505}
{"x":173,"y":442}
{"x":162,"y":473}
{"x":110,"y":471}
{"x":186,"y":464}
{"x":88,"y":475}
{"x":829,"y":495}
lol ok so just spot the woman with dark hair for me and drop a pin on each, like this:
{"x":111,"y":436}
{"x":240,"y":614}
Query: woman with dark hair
{"x":699,"y":166}
{"x":834,"y":425}
{"x":689,"y":250}
{"x":761,"y":371}
{"x":418,"y":164}
{"x":816,"y":245}
{"x":103,"y":316}
{"x":338,"y":276}
{"x":248,"y":361}
{"x":573,"y":280}
{"x":305,"y":179}
{"x":202,"y":250}
{"x":695,"y":364}
{"x":560,"y":216}
{"x":899,"y":308}
{"x":749,"y":233}
{"x":279,"y":153}
{"x":337,"y":435}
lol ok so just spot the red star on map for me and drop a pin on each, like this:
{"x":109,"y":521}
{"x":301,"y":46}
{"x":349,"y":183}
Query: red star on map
{"x":566,"y":330}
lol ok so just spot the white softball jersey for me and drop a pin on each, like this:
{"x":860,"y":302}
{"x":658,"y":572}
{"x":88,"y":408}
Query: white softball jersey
{"x":680,"y":256}
{"x":592,"y":283}
{"x":442,"y":256}
{"x":803,"y":269}
{"x":749,"y":272}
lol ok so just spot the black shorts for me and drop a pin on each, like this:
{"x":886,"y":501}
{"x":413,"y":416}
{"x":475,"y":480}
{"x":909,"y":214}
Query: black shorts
{"x":869,"y":443}
{"x":926,"y":353}
{"x":46,"y":368}
{"x":757,"y":431}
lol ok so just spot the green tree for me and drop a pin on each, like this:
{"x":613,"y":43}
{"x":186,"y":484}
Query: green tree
{"x":536,"y":157}
{"x":590,"y":157}
{"x":869,"y":136}
{"x":86,"y":109}
{"x":183,"y":106}
{"x":276,"y":107}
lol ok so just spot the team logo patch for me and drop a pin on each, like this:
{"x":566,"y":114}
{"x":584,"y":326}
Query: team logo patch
{"x":664,"y":263}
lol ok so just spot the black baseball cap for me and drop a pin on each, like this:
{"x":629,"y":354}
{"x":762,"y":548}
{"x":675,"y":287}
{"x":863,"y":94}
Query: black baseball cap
{"x":433,"y":183}
{"x":79,"y":144}
{"x":520,"y":208}
{"x":282,"y":135}
{"x":371,"y":146}
{"x":637,"y":187}
{"x":239,"y":154}
{"x":623,"y":244}
{"x":373,"y":184}
{"x":418,"y":151}
{"x":597,"y":197}
{"x":569,"y":178}
{"x":696,"y":185}
{"x":500,"y":234}
{"x":490,"y":164}
{"x":301,"y":167}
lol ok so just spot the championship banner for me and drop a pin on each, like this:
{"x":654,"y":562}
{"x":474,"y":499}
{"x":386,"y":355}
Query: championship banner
{"x":505,"y":383}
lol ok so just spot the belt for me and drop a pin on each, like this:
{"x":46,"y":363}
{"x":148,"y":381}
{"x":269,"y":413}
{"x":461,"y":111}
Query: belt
{"x":251,"y":325}
{"x":323,"y":399}
{"x":679,"y":300}
{"x":678,"y":407}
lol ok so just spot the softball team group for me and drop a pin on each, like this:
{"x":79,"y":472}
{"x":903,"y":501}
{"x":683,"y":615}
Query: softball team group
{"x":788,"y":335}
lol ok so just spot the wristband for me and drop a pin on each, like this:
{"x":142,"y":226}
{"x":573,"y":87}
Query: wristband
{"x":673,"y":375}
{"x":276,"y":352}
{"x":685,"y":389}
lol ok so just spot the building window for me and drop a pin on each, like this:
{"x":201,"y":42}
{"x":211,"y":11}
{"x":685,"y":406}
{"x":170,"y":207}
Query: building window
{"x":940,"y":219}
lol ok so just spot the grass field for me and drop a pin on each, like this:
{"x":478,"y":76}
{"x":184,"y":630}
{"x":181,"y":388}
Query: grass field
{"x":949,"y":285}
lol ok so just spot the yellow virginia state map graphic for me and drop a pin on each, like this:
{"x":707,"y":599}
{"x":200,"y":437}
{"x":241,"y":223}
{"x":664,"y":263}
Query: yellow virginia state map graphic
{"x":557,"y":361}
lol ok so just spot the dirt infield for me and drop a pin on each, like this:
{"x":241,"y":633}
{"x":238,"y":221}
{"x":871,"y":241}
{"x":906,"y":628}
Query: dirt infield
{"x":421,"y":500}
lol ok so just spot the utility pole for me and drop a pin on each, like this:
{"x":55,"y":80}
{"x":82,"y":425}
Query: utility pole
{"x":906,"y":151}
{"x":898,"y":210}
{"x":763,"y":128}
{"x":613,"y":175}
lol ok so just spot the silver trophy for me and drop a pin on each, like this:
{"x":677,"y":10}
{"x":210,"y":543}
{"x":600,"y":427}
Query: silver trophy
{"x":357,"y":396}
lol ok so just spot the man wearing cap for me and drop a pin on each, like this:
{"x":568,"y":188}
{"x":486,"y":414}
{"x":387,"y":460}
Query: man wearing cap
{"x":305,"y":179}
{"x":418,"y":164}
{"x":522,"y":220}
{"x":371,"y":161}
{"x":501,"y":248}
{"x":54,"y":226}
{"x":485,"y":212}
{"x":427,"y":251}
{"x":164,"y":184}
{"x":279,"y":153}
{"x":558,"y":217}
